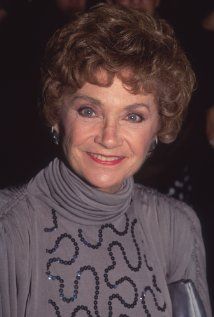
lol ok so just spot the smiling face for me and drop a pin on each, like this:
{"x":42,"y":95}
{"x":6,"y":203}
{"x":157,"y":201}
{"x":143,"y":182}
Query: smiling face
{"x":107,"y":132}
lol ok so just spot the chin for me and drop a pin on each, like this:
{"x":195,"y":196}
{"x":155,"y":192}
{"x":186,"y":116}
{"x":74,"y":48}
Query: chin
{"x":105,"y":184}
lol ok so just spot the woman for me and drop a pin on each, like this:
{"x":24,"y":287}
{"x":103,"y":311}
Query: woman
{"x":80,"y":239}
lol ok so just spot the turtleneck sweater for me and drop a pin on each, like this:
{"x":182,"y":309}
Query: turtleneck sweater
{"x":79,"y":202}
{"x":69,"y":249}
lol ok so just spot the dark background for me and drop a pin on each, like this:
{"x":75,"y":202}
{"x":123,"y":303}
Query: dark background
{"x":25,"y":140}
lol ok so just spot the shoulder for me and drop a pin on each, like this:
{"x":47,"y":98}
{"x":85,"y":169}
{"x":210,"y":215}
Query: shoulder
{"x":10,"y":198}
{"x":166,"y":210}
{"x":15,"y":212}
{"x":174,"y":228}
{"x":17,"y":223}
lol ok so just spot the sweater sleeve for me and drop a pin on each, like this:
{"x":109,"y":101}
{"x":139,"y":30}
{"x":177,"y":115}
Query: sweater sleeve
{"x":183,"y":245}
{"x":8,"y":296}
{"x":14,"y":262}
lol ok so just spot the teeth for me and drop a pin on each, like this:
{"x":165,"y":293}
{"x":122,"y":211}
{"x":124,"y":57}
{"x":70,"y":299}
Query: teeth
{"x":105,"y":158}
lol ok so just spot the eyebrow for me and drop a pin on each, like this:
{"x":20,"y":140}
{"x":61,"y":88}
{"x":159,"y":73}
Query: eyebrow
{"x":137,"y":105}
{"x":99,"y":103}
{"x":90,"y":99}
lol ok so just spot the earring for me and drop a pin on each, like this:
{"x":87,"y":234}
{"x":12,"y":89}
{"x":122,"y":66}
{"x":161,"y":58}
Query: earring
{"x":55,"y":136}
{"x":152,"y":146}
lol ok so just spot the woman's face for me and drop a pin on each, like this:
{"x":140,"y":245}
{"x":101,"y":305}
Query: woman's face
{"x":106,"y":133}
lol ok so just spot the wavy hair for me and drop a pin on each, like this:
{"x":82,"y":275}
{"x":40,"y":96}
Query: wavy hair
{"x":139,"y":49}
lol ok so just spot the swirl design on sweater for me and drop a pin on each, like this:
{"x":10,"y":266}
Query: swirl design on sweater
{"x":100,"y":234}
{"x":151,"y":291}
{"x":112,"y":247}
{"x":58,"y":259}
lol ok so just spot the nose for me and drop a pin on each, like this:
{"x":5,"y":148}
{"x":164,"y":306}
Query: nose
{"x":109,"y":135}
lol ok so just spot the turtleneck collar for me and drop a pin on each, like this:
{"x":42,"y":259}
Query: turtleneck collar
{"x":78,"y":201}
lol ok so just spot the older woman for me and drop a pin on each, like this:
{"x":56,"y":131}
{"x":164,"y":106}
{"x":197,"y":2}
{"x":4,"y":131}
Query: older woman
{"x":80,"y":239}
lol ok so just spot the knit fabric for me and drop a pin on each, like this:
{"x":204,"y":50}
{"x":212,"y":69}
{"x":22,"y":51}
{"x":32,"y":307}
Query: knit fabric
{"x":68,"y":249}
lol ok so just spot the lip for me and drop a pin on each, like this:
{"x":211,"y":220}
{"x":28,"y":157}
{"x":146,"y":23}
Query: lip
{"x":110,"y":160}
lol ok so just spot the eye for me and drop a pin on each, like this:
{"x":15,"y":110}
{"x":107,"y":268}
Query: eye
{"x":86,"y":112}
{"x":135,"y":118}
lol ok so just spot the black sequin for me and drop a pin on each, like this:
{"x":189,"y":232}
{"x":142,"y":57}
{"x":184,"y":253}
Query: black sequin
{"x":122,"y":301}
{"x":116,"y":243}
{"x":100,"y":234}
{"x":76,"y":290}
{"x":149,"y":267}
{"x":154,"y":282}
{"x":79,"y":308}
{"x":113,"y":299}
{"x":55,"y":223}
{"x":56,"y":308}
{"x":76,"y":287}
{"x":58,"y":259}
{"x":143,"y":300}
{"x":125,"y":278}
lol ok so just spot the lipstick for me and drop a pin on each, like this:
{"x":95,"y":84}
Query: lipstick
{"x":108,"y":160}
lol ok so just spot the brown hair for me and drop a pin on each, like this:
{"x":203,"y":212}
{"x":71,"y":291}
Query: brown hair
{"x":141,"y":50}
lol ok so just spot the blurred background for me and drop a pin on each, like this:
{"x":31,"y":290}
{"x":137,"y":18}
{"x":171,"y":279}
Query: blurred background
{"x":183,"y":169}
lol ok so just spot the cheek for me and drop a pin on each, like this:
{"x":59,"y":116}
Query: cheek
{"x":68,"y":133}
{"x":67,"y":143}
{"x":142,"y":147}
{"x":74,"y":133}
{"x":140,"y":141}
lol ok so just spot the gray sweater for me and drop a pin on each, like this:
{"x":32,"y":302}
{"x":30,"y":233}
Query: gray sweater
{"x":67,"y":249}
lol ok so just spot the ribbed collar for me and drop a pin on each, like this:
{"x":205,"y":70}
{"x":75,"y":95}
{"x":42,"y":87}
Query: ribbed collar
{"x":76,"y":200}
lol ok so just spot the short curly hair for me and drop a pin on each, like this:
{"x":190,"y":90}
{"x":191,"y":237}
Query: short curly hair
{"x":140,"y":50}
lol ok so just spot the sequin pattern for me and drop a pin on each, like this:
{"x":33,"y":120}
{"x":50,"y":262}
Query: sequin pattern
{"x":136,"y":264}
{"x":55,"y":224}
{"x":148,"y":289}
{"x":58,"y":259}
{"x":100,"y":234}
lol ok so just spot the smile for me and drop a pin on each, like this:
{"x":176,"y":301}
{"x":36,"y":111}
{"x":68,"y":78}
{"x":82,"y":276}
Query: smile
{"x":105,"y":160}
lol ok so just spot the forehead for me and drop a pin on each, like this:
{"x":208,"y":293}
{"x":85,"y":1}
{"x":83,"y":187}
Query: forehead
{"x":115,"y":94}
